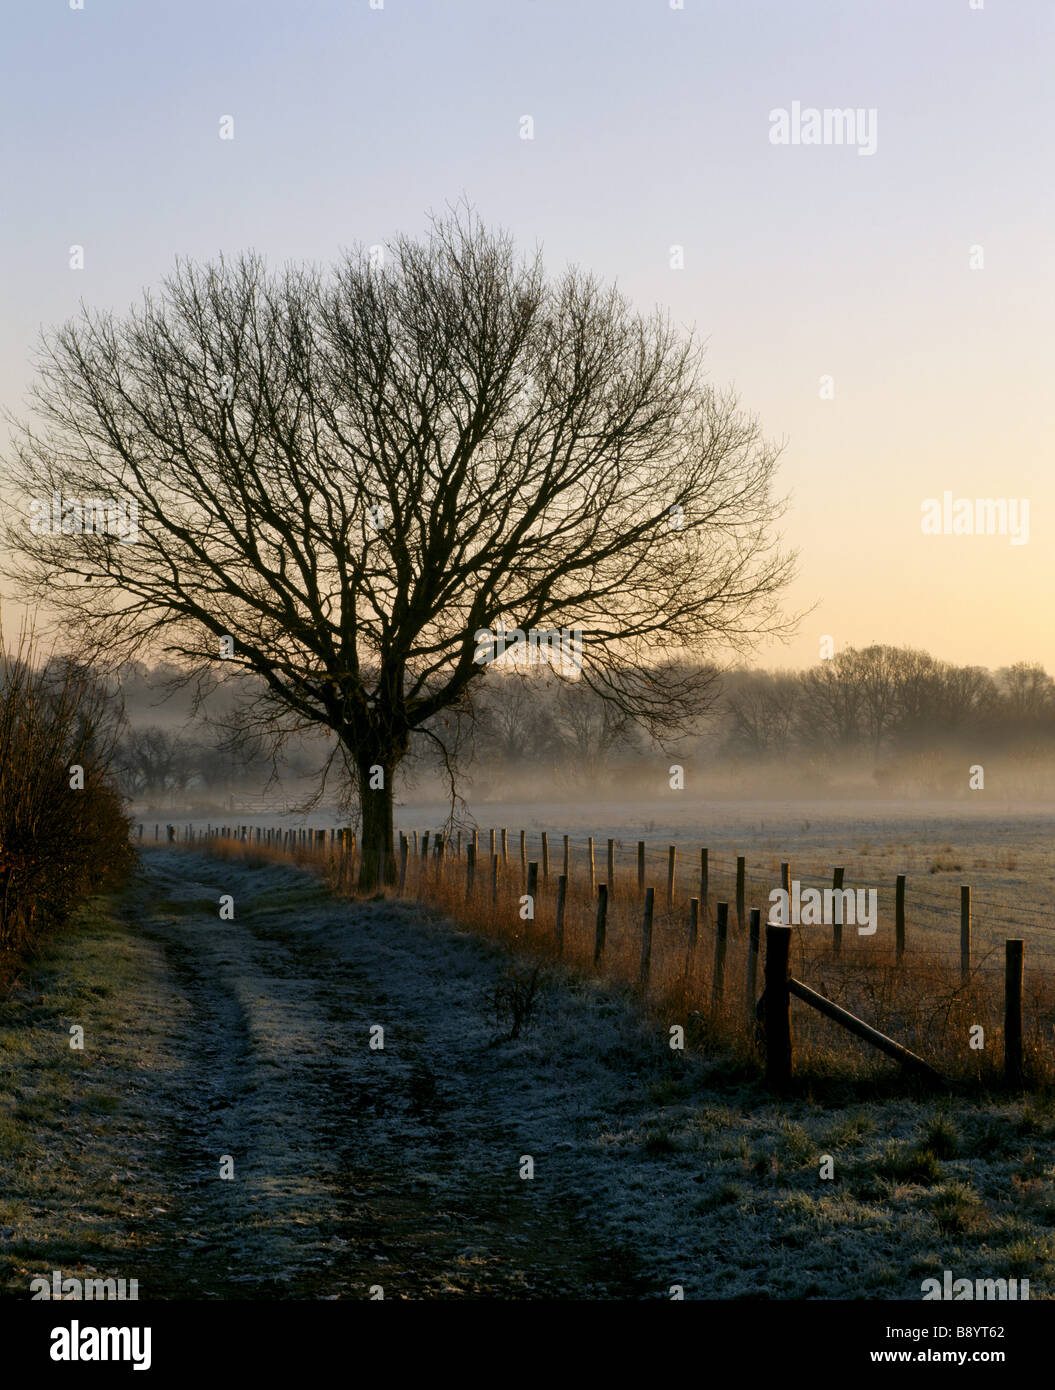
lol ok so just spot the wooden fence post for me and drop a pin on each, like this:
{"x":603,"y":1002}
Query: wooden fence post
{"x":1013,"y":949}
{"x":965,"y":932}
{"x":403,"y":847}
{"x":703,"y":881}
{"x":899,"y":915}
{"x":610,"y":886}
{"x":567,"y":857}
{"x":494,"y":878}
{"x":646,"y":937}
{"x":640,"y":866}
{"x":720,"y":935}
{"x":837,"y":909}
{"x":777,"y":1006}
{"x":425,"y":846}
{"x":470,"y":871}
{"x":694,"y":934}
{"x":532,"y":883}
{"x":545,"y":856}
{"x":601,"y":929}
{"x":671,"y":861}
{"x":752,"y":962}
{"x":741,"y":875}
{"x":562,"y":893}
{"x":505,"y":847}
{"x":593,"y":872}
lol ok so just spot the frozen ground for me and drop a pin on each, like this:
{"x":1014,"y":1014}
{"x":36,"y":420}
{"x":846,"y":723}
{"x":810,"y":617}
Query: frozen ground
{"x":401,"y":1168}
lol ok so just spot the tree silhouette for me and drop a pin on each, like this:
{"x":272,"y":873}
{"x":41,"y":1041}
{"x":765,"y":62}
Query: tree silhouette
{"x":339,"y":478}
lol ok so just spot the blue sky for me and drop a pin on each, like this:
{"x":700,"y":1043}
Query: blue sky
{"x":651,"y":130}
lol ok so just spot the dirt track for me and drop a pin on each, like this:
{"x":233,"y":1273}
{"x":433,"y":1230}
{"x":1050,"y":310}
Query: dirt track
{"x":353,"y":1167}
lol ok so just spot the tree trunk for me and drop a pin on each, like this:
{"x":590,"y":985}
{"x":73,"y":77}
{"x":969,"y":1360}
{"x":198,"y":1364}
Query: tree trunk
{"x":378,"y":861}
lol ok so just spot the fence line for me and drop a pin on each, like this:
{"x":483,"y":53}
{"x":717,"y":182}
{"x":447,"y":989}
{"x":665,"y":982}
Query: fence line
{"x":680,"y":922}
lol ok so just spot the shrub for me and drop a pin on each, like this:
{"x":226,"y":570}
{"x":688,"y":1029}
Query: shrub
{"x":58,"y":843}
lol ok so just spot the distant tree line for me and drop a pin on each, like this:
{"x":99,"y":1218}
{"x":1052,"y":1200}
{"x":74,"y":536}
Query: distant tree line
{"x":881,"y":699}
{"x":887,"y":707}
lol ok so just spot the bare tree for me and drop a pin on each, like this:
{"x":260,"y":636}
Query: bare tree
{"x":340,"y":478}
{"x":154,"y":760}
{"x":763,"y":708}
{"x":591,"y":728}
{"x":1027,"y":690}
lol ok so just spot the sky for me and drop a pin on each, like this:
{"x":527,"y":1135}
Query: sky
{"x":887,"y":311}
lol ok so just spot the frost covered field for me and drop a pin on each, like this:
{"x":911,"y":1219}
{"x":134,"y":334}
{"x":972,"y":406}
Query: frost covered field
{"x":1004,"y":851}
{"x":357,"y":1167}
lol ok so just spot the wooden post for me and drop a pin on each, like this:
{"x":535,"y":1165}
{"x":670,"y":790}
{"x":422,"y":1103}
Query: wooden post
{"x":545,"y":856}
{"x":403,"y":846}
{"x":610,"y":886}
{"x":590,"y":866}
{"x":837,"y":909}
{"x":1013,"y":949}
{"x":741,"y":874}
{"x":640,"y":866}
{"x":476,"y":844}
{"x":777,"y":1006}
{"x":703,"y":880}
{"x":601,"y":930}
{"x":567,"y":857}
{"x":752,"y":962}
{"x":694,"y":934}
{"x":459,"y":850}
{"x":505,"y":847}
{"x":494,"y":878}
{"x":562,"y":893}
{"x":672,"y":854}
{"x":646,"y":937}
{"x":965,"y":932}
{"x":860,"y":1029}
{"x":470,"y":871}
{"x":491,"y":848}
{"x":425,"y":846}
{"x":532,"y":883}
{"x":720,"y":936}
{"x":899,"y":915}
